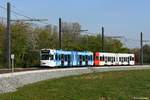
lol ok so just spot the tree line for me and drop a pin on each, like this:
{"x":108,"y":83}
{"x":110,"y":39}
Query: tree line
{"x":27,"y":40}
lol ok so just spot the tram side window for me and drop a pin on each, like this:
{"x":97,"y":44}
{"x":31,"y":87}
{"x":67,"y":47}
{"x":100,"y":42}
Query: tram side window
{"x":59,"y":57}
{"x":120,"y":59}
{"x":69,"y":57}
{"x":80,"y":57}
{"x":83,"y":58}
{"x":126,"y":59}
{"x":130,"y":58}
{"x":62,"y":56}
{"x":86,"y":57}
{"x":65,"y":57}
{"x":97,"y":57}
{"x":102,"y":58}
{"x":105,"y":58}
{"x":109,"y":58}
{"x":112,"y":59}
{"x":51,"y":57}
{"x":89,"y":57}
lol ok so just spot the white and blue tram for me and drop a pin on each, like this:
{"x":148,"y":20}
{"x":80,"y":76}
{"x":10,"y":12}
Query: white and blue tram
{"x":61,"y":58}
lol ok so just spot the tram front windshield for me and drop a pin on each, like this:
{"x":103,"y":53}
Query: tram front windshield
{"x":45,"y":55}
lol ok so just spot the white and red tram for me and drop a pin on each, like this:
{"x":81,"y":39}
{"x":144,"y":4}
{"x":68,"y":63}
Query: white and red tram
{"x":102,"y":59}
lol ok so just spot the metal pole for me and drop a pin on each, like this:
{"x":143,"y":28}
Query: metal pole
{"x":8,"y":37}
{"x":60,"y":33}
{"x":141,"y":51}
{"x":102,"y":38}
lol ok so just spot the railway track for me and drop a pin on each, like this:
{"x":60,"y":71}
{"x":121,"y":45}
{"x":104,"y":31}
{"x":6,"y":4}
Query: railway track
{"x":2,"y":71}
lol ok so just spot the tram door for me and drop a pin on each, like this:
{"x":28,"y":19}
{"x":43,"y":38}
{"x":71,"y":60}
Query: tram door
{"x":80,"y":58}
{"x":69,"y":60}
{"x":86,"y":60}
{"x":117,"y":59}
{"x":128,"y":60}
{"x":62,"y":60}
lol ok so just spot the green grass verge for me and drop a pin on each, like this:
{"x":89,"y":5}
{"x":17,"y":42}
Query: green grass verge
{"x":123,"y":85}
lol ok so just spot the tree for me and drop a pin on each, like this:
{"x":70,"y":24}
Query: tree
{"x":45,"y":39}
{"x":114,"y":45}
{"x":20,"y":41}
{"x":2,"y":45}
{"x":146,"y":54}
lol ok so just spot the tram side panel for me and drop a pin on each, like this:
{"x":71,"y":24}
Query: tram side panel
{"x":74,"y":58}
{"x":96,"y":59}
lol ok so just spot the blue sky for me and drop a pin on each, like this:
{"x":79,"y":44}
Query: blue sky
{"x":119,"y":17}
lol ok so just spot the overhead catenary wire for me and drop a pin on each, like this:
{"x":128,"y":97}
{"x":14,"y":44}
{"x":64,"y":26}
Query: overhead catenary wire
{"x":28,"y":18}
{"x":41,"y":21}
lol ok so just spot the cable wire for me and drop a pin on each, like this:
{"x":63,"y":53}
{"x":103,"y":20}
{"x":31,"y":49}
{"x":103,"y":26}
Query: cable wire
{"x":22,"y":15}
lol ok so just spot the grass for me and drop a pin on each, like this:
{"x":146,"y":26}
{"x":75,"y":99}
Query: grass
{"x":123,"y":85}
